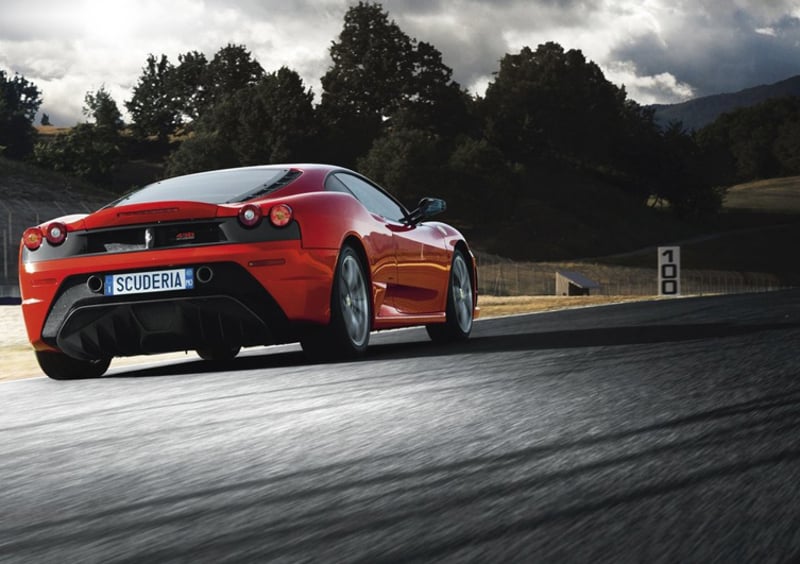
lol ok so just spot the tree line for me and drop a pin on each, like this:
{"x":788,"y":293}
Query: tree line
{"x":761,"y":141}
{"x":390,"y":108}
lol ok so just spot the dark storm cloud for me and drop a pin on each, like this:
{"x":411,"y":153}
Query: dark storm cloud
{"x":297,"y":10}
{"x":660,"y":50}
{"x":719,"y":52}
{"x":474,"y":35}
{"x":674,"y":48}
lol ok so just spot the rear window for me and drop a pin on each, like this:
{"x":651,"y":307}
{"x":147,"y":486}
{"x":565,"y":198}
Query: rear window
{"x":216,"y":187}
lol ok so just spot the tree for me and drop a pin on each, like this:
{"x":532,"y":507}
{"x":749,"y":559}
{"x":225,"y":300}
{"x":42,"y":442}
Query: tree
{"x":552,"y":103}
{"x":89,"y":150}
{"x":167,"y":97}
{"x":190,"y":83}
{"x":371,"y":69}
{"x":85,"y":151}
{"x":482,"y":183}
{"x":19,"y":101}
{"x":155,"y":107}
{"x":232,"y":69}
{"x":101,"y":107}
{"x":434,"y":101}
{"x":684,"y":177}
{"x":272,"y":121}
{"x":551,"y":109}
{"x":201,"y":151}
{"x":383,"y":79}
{"x":787,"y":145}
{"x":407,"y":162}
{"x":45,"y":121}
{"x":372,"y":66}
{"x":636,"y":154}
{"x":761,"y":141}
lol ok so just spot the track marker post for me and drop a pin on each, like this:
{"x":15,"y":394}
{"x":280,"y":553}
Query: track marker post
{"x":669,"y":271}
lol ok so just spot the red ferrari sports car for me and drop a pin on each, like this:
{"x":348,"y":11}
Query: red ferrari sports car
{"x":225,"y":259}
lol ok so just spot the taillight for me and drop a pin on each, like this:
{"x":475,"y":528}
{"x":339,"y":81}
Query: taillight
{"x":280,"y":215}
{"x":250,"y":215}
{"x":55,"y":233}
{"x":32,"y":238}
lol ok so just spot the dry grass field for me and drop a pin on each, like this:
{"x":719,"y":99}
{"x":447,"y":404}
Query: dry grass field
{"x":777,"y":195}
{"x":48,"y":130}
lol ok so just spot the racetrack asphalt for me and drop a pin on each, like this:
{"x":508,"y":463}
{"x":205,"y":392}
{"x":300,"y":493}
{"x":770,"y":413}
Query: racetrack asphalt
{"x":659,"y":431}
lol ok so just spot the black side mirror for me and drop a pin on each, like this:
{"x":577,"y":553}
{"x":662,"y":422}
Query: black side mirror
{"x":426,"y":209}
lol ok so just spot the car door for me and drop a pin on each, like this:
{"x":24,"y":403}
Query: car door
{"x":422,"y":265}
{"x":421,"y":257}
{"x":379,"y":240}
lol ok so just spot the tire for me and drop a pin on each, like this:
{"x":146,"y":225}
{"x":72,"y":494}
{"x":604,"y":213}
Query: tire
{"x":460,"y":308}
{"x":218,"y":353}
{"x":59,"y":366}
{"x":347,"y":335}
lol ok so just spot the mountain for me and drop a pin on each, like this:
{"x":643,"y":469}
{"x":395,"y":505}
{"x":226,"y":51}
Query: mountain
{"x":699,"y":112}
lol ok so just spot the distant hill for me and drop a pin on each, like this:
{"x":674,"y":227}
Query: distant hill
{"x":699,"y":112}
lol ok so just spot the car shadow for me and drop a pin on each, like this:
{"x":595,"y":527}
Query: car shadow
{"x":578,"y":338}
{"x":199,"y":366}
{"x":567,"y":339}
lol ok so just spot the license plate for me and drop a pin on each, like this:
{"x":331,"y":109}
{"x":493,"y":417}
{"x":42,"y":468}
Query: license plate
{"x":145,"y":282}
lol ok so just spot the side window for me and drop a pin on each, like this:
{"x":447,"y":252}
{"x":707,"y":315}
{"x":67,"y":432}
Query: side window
{"x":373,"y":198}
{"x":333,"y":184}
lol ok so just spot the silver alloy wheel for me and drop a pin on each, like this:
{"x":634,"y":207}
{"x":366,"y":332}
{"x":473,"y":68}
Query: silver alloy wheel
{"x":354,"y":301}
{"x":462,"y":293}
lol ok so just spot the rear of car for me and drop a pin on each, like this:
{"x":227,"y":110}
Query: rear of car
{"x":193,"y":263}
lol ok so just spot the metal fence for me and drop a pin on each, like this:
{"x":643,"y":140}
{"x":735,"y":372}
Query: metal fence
{"x":503,"y":277}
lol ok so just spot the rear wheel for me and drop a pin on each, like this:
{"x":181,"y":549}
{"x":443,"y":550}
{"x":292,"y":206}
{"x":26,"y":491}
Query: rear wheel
{"x":59,"y":366}
{"x":347,"y":335}
{"x":218,"y":353}
{"x":460,"y":308}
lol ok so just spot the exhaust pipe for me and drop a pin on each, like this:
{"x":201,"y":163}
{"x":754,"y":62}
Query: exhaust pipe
{"x":204,"y":274}
{"x":95,"y":284}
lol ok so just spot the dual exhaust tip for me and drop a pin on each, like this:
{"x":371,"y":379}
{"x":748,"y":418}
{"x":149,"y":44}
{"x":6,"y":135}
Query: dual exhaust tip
{"x":204,"y":275}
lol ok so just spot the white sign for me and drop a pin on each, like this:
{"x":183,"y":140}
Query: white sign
{"x":669,"y":271}
{"x":144,"y":282}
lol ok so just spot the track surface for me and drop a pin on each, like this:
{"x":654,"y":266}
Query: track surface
{"x":666,"y":431}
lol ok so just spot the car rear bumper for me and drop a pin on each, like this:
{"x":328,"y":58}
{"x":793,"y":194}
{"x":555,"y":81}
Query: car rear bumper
{"x":257,"y":295}
{"x":155,"y":326}
{"x":230,"y":309}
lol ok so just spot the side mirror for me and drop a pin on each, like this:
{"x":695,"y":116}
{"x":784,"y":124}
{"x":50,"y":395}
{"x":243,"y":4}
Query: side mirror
{"x":426,"y":209}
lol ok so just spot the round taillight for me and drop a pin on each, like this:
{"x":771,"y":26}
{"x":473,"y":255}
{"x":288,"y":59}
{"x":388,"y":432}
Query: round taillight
{"x":280,"y":215}
{"x":55,"y":233}
{"x":32,"y":238}
{"x":250,"y":215}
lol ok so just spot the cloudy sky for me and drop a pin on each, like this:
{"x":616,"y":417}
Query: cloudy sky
{"x":661,"y":50}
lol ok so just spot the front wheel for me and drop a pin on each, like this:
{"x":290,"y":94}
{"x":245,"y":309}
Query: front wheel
{"x":460,"y":307}
{"x":351,"y":312}
{"x":59,"y":366}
